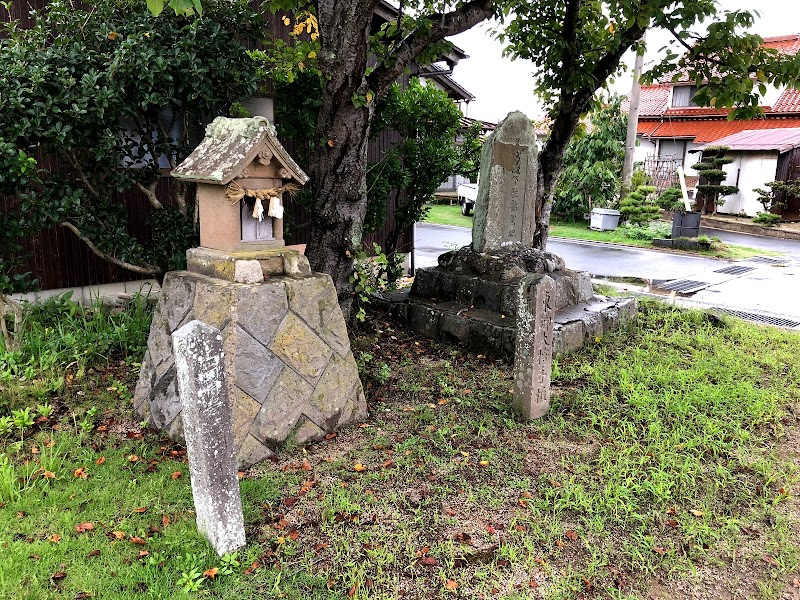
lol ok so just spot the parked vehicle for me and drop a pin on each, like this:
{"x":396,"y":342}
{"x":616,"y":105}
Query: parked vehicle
{"x":467,"y":194}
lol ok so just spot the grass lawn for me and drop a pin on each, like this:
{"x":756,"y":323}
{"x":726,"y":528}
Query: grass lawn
{"x":443,"y":214}
{"x":451,"y":215}
{"x":665,"y":468}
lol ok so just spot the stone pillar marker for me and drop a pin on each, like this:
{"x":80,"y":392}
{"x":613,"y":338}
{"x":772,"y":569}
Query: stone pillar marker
{"x":533,"y":358}
{"x":207,"y":419}
{"x":506,"y":203}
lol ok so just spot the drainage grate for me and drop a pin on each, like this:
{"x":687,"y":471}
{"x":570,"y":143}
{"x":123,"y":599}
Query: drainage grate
{"x":767,"y":260}
{"x":758,"y":318}
{"x":684,"y":286}
{"x":735,"y":270}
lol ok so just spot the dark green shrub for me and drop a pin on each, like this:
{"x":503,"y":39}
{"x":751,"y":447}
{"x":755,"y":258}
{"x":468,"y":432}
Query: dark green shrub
{"x":767,"y":219}
{"x":637,"y":208}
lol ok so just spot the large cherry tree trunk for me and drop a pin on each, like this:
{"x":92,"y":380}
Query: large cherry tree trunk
{"x":338,"y":164}
{"x":339,"y":161}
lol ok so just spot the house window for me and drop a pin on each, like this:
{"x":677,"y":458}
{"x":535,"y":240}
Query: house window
{"x":683,"y":95}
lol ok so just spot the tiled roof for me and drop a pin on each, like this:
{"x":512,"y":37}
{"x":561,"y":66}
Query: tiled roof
{"x":786,"y":44}
{"x":781,"y":140}
{"x":652,"y":102}
{"x":709,"y":130}
{"x":696,"y":111}
{"x":645,"y":128}
{"x":467,"y":122}
{"x":789,"y":102}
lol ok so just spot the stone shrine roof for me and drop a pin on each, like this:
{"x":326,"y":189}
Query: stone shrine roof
{"x":230,"y":146}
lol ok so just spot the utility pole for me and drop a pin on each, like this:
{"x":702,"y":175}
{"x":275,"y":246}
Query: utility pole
{"x":633,"y":118}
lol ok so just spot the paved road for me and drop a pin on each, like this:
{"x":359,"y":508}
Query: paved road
{"x":604,"y":260}
{"x":790,"y":247}
{"x":765,"y":289}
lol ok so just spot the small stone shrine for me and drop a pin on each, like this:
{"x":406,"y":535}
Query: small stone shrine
{"x":472,"y":297}
{"x":290,"y":371}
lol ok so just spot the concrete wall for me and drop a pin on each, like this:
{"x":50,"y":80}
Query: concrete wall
{"x":748,"y":170}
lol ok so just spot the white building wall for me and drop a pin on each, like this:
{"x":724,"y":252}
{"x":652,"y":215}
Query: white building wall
{"x":692,"y":158}
{"x":644,"y":148}
{"x":747,"y":171}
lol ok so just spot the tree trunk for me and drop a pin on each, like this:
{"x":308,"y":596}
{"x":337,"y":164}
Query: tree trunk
{"x":551,"y":161}
{"x":338,"y":163}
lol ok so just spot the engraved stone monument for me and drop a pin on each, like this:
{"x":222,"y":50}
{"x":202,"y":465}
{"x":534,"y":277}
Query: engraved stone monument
{"x":506,"y":204}
{"x":472,"y":296}
{"x":206,"y":419}
{"x":533,"y":357}
{"x":290,"y":371}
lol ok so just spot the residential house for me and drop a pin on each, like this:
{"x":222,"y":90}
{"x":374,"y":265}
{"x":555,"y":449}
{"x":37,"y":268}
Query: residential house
{"x":672,"y":128}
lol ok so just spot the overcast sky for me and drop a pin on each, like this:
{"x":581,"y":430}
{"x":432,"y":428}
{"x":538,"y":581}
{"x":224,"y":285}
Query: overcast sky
{"x":502,"y":85}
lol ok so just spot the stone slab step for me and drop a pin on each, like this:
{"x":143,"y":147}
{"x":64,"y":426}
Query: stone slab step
{"x":490,"y":332}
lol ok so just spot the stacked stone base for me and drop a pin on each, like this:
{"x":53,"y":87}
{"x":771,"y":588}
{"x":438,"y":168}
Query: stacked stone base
{"x":291,"y":374}
{"x":471,"y":299}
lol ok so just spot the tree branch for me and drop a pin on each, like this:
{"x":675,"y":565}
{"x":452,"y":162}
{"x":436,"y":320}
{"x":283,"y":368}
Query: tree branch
{"x":73,"y":160}
{"x":144,"y":270}
{"x":464,"y":17}
{"x":150,"y":192}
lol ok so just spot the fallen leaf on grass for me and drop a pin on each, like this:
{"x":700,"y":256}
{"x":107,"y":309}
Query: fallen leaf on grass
{"x":307,"y":487}
{"x":571,"y":535}
{"x":293,"y":535}
{"x":55,"y":538}
{"x":50,"y":443}
{"x":587,"y":583}
{"x":141,"y":509}
{"x":58,"y":576}
{"x":83,"y":595}
{"x":177,"y":474}
{"x":81,"y":473}
{"x":306,"y":466}
{"x":532,"y":584}
{"x":34,"y":450}
{"x":143,"y":554}
{"x":211,"y":573}
{"x":330,"y":436}
{"x":164,"y":521}
{"x":352,"y":591}
{"x":359,"y":467}
{"x":769,"y":560}
{"x":290,"y":502}
{"x":133,"y":458}
{"x":34,"y":556}
{"x":387,"y":464}
{"x":120,"y":535}
{"x":484,"y":463}
{"x":93,"y":553}
{"x":658,"y":550}
{"x":136,"y":540}
{"x":83,"y":527}
{"x":252,"y":568}
{"x":429,"y":561}
{"x":100,"y":460}
{"x":696,"y":513}
{"x":451,"y":585}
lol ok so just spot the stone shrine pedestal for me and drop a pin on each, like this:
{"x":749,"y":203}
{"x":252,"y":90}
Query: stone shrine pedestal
{"x":291,"y":374}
